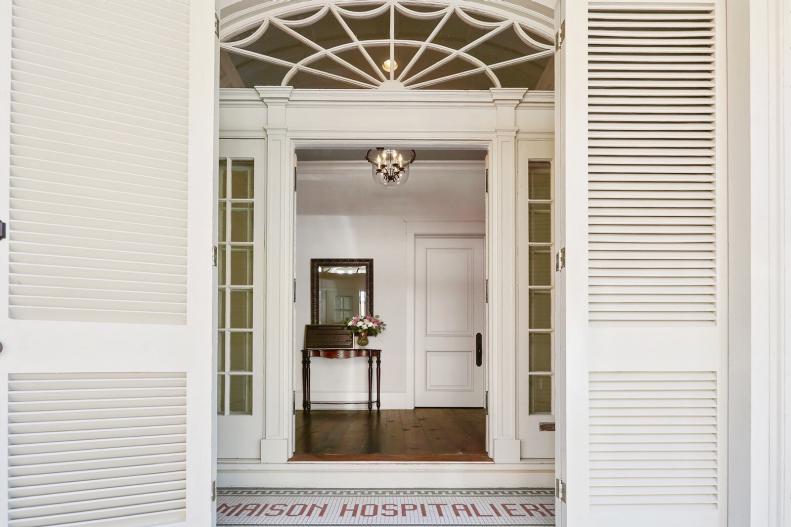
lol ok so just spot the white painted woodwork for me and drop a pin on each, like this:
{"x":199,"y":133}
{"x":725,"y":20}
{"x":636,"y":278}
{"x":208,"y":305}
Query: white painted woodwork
{"x":107,"y":134}
{"x":642,"y":408}
{"x":449,"y":311}
{"x":98,"y":212}
{"x":239,"y":435}
{"x":242,"y":34}
{"x":295,"y":119}
{"x":534,"y":443}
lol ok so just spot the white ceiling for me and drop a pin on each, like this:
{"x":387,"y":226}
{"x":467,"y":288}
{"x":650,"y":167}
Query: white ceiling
{"x":451,"y":190}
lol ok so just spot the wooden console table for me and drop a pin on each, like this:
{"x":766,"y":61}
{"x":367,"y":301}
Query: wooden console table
{"x":342,"y":353}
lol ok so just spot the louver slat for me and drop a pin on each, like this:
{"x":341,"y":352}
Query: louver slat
{"x":651,"y":163}
{"x":96,"y":447}
{"x":653,"y":438}
{"x":99,"y":117}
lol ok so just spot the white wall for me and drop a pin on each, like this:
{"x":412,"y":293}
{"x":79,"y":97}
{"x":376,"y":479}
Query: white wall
{"x":382,"y":237}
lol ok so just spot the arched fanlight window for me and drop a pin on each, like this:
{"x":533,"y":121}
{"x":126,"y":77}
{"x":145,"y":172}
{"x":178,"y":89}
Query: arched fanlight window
{"x":396,"y":44}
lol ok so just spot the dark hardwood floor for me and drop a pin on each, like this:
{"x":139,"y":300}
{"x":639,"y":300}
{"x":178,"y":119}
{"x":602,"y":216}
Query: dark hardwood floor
{"x":423,"y":434}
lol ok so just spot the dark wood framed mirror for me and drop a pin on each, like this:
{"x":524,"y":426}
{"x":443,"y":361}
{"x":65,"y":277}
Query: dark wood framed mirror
{"x":340,"y":288}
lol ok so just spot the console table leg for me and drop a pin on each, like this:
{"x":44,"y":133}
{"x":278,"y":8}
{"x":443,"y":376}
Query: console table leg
{"x":307,"y":384}
{"x":370,"y":381}
{"x":378,"y":382}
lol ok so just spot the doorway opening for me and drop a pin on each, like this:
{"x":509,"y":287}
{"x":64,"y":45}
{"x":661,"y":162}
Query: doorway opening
{"x":413,"y":256}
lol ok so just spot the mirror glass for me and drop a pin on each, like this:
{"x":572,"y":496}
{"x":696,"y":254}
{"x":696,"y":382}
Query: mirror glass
{"x":341,"y":290}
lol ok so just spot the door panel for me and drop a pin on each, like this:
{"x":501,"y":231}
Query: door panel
{"x":241,"y":272}
{"x":107,"y":283}
{"x":449,"y":311}
{"x":643,"y":291}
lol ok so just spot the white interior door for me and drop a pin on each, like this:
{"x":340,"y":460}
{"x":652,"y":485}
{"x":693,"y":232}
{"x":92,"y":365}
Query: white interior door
{"x":107,"y":148}
{"x":241,"y":270}
{"x":642,"y":413}
{"x":449,"y":316}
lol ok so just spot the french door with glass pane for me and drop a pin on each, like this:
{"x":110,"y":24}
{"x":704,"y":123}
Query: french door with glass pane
{"x":240,"y":320}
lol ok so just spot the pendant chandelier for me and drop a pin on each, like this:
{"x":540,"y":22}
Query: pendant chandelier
{"x":390,"y":167}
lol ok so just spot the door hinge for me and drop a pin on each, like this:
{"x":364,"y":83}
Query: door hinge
{"x":214,"y":256}
{"x":560,"y":259}
{"x":486,"y":402}
{"x":2,"y":230}
{"x":486,"y":183}
{"x":216,"y":25}
{"x":486,"y":291}
{"x":294,"y":292}
{"x":294,"y":402}
{"x":214,"y":490}
{"x":560,"y":35}
{"x":560,"y":490}
{"x":295,"y":179}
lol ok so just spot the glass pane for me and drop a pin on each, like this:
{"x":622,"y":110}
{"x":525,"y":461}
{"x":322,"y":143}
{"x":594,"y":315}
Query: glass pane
{"x":540,"y":221}
{"x":241,"y":222}
{"x":241,"y":265}
{"x":242,"y":181}
{"x":241,"y":394}
{"x":540,"y":309}
{"x":242,"y":309}
{"x":540,"y":394}
{"x":223,"y":184}
{"x":221,"y":265}
{"x":241,"y":351}
{"x":539,"y":180}
{"x":221,"y":308}
{"x":541,"y":352}
{"x":222,"y":232}
{"x":540,"y":266}
{"x":221,"y":351}
{"x":221,"y":394}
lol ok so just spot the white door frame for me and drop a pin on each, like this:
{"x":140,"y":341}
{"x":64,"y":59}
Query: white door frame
{"x":415,"y":229}
{"x":494,"y":120}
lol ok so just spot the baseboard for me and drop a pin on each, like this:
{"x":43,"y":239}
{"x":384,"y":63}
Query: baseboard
{"x":390,"y":400}
{"x":386,"y":475}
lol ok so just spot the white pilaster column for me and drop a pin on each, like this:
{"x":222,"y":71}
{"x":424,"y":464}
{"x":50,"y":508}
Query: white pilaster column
{"x":501,"y":269}
{"x":279,"y":348}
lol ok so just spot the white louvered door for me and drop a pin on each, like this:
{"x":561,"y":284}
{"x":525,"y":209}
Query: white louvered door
{"x":106,"y":281}
{"x":644,"y":377}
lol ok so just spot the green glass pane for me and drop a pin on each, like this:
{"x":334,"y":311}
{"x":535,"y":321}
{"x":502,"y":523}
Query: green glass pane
{"x":241,"y":222}
{"x":242,"y":309}
{"x":221,"y":351}
{"x":241,"y":265}
{"x":540,"y":394}
{"x":221,"y":394}
{"x":222,"y":220}
{"x":539,"y":174}
{"x":540,"y":223}
{"x":241,"y":351}
{"x":541,"y":352}
{"x":223,"y":182}
{"x":540,"y":266}
{"x":221,"y":308}
{"x":221,"y":265}
{"x":241,"y":394}
{"x":242,"y":180}
{"x":540,"y":309}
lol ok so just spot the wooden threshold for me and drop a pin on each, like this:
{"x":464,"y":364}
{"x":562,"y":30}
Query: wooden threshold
{"x":396,"y":458}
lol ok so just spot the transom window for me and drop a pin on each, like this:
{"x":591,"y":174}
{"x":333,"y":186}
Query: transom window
{"x":391,"y":44}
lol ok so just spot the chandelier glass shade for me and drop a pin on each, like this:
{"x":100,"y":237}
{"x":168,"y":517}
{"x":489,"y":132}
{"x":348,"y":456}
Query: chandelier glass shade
{"x":390,"y":167}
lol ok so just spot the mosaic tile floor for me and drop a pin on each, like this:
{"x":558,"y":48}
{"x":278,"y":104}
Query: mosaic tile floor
{"x":403,"y":507}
